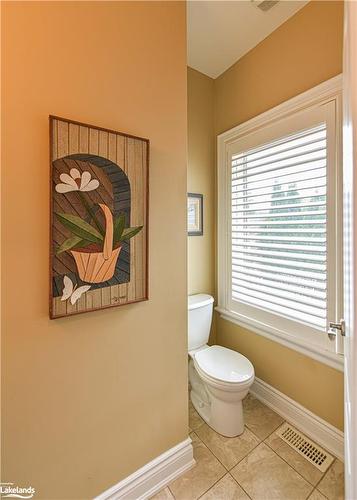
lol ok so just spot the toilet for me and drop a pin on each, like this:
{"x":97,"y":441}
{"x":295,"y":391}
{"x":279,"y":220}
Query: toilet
{"x":219,"y":377}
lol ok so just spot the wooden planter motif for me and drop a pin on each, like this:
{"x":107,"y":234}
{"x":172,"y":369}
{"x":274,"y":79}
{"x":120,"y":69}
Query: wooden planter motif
{"x":96,"y":267}
{"x":99,"y":217}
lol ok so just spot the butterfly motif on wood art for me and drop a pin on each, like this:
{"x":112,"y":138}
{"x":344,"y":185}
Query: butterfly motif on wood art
{"x":72,"y":292}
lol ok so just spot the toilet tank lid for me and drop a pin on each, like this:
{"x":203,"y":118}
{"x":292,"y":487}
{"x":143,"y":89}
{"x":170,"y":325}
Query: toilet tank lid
{"x":199,"y":300}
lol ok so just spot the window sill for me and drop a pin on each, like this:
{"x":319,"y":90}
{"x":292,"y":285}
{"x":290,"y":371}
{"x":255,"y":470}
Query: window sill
{"x":332,"y":359}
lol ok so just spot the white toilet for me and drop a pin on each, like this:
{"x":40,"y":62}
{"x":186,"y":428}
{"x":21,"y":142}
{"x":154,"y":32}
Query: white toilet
{"x":220,"y":378}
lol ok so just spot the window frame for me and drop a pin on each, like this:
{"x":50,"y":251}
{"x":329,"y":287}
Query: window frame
{"x":317,"y":348}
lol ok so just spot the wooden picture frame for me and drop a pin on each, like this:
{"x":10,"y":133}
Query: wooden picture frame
{"x":194,"y":214}
{"x":99,"y":213}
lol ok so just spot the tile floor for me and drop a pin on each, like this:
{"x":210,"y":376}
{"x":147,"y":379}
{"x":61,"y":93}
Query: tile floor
{"x":257,"y":465}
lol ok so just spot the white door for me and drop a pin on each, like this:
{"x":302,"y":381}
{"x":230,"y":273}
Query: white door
{"x":350,"y":250}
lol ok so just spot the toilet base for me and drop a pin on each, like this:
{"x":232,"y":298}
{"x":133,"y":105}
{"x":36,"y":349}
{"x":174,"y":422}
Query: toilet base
{"x":222,"y":415}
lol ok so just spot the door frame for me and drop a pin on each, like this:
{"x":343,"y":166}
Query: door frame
{"x":350,"y":250}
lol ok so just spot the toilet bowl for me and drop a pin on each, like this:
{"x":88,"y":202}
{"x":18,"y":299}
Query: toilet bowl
{"x":219,"y":377}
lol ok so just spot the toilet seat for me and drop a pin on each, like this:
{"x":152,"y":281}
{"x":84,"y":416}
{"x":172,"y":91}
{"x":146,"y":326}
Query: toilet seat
{"x":224,"y":367}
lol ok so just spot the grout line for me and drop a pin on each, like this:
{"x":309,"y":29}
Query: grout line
{"x":214,"y":484}
{"x":241,"y":460}
{"x":249,"y":452}
{"x":328,"y":468}
{"x":221,"y":477}
{"x":234,"y":479}
{"x":250,"y":430}
{"x":168,"y":486}
{"x":291,"y":466}
{"x":213,"y":453}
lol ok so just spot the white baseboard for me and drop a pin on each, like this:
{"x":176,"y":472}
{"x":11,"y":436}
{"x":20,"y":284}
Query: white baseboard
{"x":154,"y":476}
{"x":307,"y":422}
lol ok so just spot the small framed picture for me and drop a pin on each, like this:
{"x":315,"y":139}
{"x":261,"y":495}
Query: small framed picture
{"x":194,"y":214}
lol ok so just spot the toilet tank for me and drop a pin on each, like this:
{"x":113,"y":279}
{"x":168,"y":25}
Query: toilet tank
{"x":200,"y":308}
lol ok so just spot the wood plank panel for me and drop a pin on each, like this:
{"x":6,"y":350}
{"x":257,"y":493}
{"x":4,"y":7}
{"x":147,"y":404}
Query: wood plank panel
{"x":103,"y":151}
{"x":96,"y":295}
{"x":112,"y":156}
{"x":62,"y":150}
{"x":83,"y":147}
{"x":63,"y":139}
{"x":138,"y":255}
{"x":73,"y":138}
{"x":54,"y":139}
{"x":145,"y":220}
{"x":83,"y":139}
{"x":122,"y":163}
{"x":131,"y":172}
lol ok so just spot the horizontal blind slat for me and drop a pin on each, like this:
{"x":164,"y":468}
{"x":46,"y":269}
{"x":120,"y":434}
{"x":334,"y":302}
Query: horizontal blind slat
{"x":275,"y":239}
{"x":279,"y":280}
{"x":281,"y":263}
{"x":315,"y":275}
{"x":303,"y":291}
{"x":319,"y":131}
{"x":318,"y":257}
{"x":307,"y":300}
{"x":273,"y":161}
{"x":245,"y":246}
{"x":274,"y":204}
{"x":318,"y":175}
{"x":281,"y":310}
{"x":252,"y":214}
{"x":266,"y":224}
{"x":275,"y":232}
{"x":278,"y":301}
{"x":300,"y":166}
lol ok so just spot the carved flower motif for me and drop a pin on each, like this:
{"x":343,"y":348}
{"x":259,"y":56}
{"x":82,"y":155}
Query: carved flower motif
{"x":76,"y":182}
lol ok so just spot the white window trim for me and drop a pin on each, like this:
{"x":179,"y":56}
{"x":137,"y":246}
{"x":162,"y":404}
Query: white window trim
{"x":328,"y":91}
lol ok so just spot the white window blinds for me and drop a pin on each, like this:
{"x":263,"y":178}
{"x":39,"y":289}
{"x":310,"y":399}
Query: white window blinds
{"x":278,"y":224}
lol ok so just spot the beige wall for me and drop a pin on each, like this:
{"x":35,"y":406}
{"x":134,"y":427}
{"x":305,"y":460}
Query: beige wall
{"x":201,"y":179}
{"x":88,"y":400}
{"x":303,"y":52}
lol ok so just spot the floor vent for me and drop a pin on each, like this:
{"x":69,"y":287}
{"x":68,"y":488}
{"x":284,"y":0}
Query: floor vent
{"x":305,"y":446}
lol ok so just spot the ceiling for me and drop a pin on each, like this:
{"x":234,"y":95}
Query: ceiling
{"x":220,"y":32}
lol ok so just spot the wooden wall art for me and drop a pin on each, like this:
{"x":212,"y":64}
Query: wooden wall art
{"x":99,"y":218}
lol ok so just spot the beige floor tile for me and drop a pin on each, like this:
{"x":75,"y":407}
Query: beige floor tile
{"x":316,"y":495}
{"x":194,"y":419}
{"x":265,"y":476}
{"x":207,"y":471}
{"x":293,"y":458}
{"x":226,"y":489}
{"x":229,"y":451}
{"x":332,"y":484}
{"x":259,"y":418}
{"x":164,"y":494}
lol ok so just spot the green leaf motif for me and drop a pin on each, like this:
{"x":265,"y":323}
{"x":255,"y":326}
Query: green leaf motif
{"x":119,"y":224}
{"x":72,"y":242}
{"x":80,"y":228}
{"x":129,"y":232}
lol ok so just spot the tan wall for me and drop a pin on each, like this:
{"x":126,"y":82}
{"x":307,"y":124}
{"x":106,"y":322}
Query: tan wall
{"x":303,"y":52}
{"x":201,"y":179}
{"x":88,"y":400}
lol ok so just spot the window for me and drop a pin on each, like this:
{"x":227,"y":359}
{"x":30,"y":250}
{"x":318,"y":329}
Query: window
{"x":279,"y":225}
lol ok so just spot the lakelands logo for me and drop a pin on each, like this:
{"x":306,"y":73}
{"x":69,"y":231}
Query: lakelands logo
{"x":8,"y":490}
